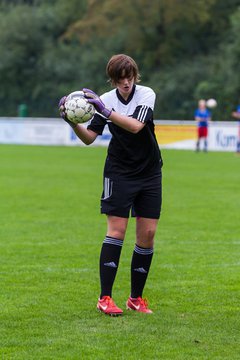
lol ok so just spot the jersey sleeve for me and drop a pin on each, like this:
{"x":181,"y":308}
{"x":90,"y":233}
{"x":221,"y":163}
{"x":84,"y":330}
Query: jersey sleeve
{"x":147,"y":97}
{"x":143,"y":113}
{"x":145,"y":105}
{"x":97,"y":124}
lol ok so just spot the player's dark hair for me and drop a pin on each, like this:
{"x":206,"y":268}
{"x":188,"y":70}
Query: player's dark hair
{"x":122,"y":66}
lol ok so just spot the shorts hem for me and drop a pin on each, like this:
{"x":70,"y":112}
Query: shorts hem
{"x":112,"y":213}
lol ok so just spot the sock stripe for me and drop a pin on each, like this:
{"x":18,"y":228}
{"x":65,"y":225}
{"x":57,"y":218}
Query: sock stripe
{"x":143,"y":251}
{"x":113,"y":241}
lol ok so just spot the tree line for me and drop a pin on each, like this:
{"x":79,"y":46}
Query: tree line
{"x":185,"y":51}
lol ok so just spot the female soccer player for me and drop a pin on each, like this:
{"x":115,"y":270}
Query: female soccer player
{"x":132,"y":176}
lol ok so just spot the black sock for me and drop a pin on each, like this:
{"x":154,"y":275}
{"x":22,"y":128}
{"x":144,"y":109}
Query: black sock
{"x":141,"y":262}
{"x":109,"y":259}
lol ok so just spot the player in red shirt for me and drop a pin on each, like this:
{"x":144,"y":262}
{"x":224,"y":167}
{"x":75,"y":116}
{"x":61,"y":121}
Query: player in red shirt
{"x":202,"y":116}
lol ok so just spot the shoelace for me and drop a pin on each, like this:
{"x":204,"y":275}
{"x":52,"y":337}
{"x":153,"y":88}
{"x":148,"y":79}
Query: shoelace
{"x":143,"y":302}
{"x":109,"y":301}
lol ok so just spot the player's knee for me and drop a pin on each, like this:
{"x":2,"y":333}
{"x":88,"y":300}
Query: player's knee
{"x":146,"y":238}
{"x":150,"y":234}
{"x":117,"y":233}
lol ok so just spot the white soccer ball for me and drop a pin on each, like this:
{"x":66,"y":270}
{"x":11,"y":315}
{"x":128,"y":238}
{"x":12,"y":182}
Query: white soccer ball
{"x":77,"y":108}
{"x":211,"y":103}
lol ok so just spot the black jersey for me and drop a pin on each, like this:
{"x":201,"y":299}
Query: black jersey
{"x":129,"y":154}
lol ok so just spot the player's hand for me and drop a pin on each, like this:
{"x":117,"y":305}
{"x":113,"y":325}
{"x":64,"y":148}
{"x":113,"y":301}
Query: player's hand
{"x":61,"y":108}
{"x":95,"y":100}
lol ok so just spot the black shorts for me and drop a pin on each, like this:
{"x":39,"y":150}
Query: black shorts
{"x":142,"y":196}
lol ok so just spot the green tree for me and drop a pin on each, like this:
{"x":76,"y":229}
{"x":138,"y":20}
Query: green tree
{"x":30,"y":51}
{"x":185,"y":50}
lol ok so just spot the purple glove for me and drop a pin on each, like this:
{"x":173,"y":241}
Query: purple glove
{"x":95,"y":100}
{"x":61,"y":107}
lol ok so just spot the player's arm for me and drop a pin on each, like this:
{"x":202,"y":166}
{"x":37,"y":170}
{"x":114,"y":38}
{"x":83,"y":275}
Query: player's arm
{"x":236,"y":114}
{"x":127,"y":123}
{"x":87,"y":136}
{"x":132,"y":124}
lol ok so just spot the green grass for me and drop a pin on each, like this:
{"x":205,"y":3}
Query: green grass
{"x":50,"y":238}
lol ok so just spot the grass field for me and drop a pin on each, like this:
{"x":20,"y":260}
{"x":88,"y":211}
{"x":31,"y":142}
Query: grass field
{"x":50,"y":237}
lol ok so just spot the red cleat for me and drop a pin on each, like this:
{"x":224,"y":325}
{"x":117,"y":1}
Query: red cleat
{"x":108,"y":307}
{"x":139,"y":304}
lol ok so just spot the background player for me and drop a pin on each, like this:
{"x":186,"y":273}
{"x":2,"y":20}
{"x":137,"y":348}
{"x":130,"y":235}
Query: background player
{"x":236,"y":115}
{"x":202,"y":116}
{"x":132,"y":176}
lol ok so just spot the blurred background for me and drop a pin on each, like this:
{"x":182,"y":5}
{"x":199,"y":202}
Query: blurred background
{"x":185,"y":51}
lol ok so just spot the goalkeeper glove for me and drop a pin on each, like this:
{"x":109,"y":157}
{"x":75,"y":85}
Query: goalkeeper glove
{"x":95,"y":100}
{"x":62,"y":111}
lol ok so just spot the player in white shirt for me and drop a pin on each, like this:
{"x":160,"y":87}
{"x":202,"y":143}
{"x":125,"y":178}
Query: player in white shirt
{"x":132,"y":176}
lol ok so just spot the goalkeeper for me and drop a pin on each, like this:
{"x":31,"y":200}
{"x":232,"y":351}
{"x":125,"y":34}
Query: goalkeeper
{"x":132,"y":181}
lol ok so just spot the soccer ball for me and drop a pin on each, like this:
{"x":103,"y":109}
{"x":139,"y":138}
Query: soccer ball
{"x":77,"y":108}
{"x":211,"y":103}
